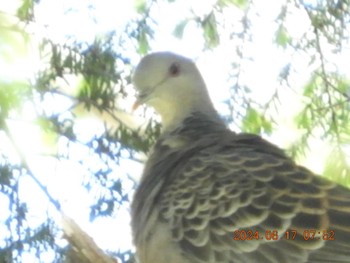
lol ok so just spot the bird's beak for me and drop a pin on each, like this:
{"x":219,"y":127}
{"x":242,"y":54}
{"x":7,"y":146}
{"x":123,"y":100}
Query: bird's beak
{"x":136,"y":104}
{"x":140,"y":99}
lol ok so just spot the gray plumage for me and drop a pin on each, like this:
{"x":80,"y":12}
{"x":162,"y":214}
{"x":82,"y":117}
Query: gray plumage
{"x":202,"y":182}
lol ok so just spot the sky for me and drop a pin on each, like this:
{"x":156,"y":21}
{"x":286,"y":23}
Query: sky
{"x":52,"y":21}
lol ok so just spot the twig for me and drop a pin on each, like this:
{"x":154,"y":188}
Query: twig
{"x":29,"y":171}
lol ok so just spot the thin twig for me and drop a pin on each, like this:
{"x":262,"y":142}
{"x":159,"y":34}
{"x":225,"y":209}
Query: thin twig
{"x":29,"y":171}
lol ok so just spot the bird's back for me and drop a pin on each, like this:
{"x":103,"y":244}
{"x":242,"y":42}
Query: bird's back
{"x":215,"y":196}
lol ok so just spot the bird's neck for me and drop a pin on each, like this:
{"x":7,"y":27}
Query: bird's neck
{"x":197,"y":124}
{"x":176,"y":114}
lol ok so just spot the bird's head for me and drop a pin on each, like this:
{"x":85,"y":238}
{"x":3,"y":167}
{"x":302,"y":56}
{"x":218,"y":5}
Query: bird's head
{"x":172,"y":85}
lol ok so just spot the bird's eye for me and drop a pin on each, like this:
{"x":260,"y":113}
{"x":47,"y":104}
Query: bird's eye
{"x":174,"y":69}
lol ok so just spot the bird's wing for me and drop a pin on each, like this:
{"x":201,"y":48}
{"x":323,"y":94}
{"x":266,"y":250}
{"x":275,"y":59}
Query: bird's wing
{"x":239,"y":203}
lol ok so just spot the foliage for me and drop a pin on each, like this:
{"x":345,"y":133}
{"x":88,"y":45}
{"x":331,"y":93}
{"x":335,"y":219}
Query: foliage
{"x":82,"y":80}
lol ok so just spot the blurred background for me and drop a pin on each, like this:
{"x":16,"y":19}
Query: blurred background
{"x":70,"y":144}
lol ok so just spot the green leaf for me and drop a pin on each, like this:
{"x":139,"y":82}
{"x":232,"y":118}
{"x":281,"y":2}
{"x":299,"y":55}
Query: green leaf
{"x":337,"y":168}
{"x":239,"y":3}
{"x":282,"y":37}
{"x":255,"y":122}
{"x":140,"y":6}
{"x":310,"y":88}
{"x":179,"y":29}
{"x":304,"y":118}
{"x":143,"y":43}
{"x":12,"y":96}
{"x":210,"y":31}
{"x":48,"y":132}
{"x":25,"y":12}
{"x":343,"y":85}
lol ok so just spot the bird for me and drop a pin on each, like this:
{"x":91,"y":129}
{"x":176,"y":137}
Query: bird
{"x":211,"y":195}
